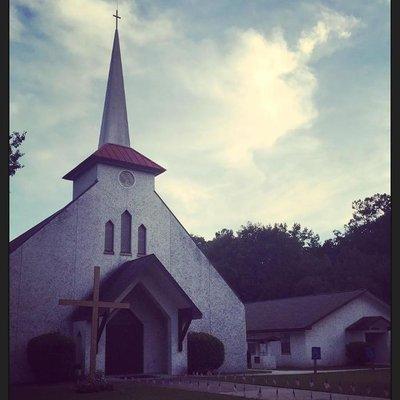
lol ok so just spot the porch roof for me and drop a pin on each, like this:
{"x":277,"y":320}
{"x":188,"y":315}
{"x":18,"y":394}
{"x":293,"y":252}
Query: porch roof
{"x":370,"y":324}
{"x":118,"y":280}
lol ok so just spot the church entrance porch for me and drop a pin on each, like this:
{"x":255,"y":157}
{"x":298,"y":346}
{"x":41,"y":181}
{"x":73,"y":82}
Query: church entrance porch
{"x":124,"y":344}
{"x":149,"y":339}
{"x":374,"y":330}
{"x":150,"y":336}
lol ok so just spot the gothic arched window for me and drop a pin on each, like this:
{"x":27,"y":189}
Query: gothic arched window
{"x":109,"y":238}
{"x":126,"y":232}
{"x":141,"y":240}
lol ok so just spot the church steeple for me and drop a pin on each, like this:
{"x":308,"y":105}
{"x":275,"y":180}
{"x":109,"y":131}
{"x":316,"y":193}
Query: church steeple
{"x":114,"y":125}
{"x":114,"y":146}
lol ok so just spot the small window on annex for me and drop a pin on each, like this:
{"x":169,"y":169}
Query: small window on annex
{"x":142,"y":240}
{"x":285,"y":344}
{"x":126,"y":232}
{"x":109,"y":238}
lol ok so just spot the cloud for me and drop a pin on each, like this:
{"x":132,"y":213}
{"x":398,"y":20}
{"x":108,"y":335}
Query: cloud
{"x":262,"y":92}
{"x":331,"y":25}
{"x":229,"y":117}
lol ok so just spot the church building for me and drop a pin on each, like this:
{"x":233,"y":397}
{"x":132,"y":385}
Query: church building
{"x":117,"y":221}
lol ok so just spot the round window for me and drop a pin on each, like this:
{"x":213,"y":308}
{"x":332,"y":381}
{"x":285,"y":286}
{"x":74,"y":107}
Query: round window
{"x":126,"y":178}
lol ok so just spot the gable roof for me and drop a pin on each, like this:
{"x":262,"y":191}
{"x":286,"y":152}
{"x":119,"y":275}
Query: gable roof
{"x":198,"y":247}
{"x":113,"y":284}
{"x":295,"y":313}
{"x":116,"y":154}
{"x":18,"y":241}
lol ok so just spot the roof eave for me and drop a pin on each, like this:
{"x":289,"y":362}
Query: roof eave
{"x":92,"y":160}
{"x":298,"y":329}
{"x":83,"y":314}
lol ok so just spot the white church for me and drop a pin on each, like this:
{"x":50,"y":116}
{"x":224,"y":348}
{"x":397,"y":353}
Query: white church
{"x":116,"y":220}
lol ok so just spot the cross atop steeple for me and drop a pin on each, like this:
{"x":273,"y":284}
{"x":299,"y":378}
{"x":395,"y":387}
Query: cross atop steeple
{"x":117,"y":17}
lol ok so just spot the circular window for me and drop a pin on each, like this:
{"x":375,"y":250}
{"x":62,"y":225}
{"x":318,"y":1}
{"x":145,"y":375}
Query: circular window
{"x":126,"y":178}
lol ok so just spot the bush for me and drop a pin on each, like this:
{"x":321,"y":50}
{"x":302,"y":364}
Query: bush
{"x":357,"y":352}
{"x":51,"y":357}
{"x":205,"y":352}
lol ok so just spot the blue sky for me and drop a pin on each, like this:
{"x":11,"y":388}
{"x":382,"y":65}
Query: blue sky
{"x":262,"y":111}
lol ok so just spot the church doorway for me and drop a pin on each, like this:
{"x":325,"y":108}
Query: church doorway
{"x":124,"y":344}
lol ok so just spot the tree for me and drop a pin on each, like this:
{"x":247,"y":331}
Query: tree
{"x":369,"y":210}
{"x":263,"y":262}
{"x":200,"y":242}
{"x":14,"y":153}
{"x":361,"y":255}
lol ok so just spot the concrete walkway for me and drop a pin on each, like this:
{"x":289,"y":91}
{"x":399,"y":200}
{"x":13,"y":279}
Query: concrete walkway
{"x":246,"y":391}
{"x":306,"y":371}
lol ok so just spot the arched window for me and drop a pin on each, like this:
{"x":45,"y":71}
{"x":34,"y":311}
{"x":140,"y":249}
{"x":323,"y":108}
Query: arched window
{"x":109,"y":238}
{"x":141,"y":240}
{"x":126,"y":232}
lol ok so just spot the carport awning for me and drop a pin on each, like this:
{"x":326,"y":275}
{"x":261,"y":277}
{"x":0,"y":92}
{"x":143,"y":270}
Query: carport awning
{"x":370,"y":324}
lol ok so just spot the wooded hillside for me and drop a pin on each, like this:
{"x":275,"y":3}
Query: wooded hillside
{"x":273,"y":261}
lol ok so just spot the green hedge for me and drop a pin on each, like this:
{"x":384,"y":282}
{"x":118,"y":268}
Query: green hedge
{"x":205,"y":353}
{"x":51,"y":357}
{"x":357,"y":353}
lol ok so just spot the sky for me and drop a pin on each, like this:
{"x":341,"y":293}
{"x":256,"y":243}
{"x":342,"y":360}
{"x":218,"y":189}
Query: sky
{"x":264,"y":111}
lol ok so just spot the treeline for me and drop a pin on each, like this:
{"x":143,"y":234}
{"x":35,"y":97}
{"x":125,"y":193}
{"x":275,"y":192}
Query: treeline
{"x":263,"y":262}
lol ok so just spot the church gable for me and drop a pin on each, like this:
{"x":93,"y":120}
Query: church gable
{"x":21,"y":239}
{"x":117,"y":219}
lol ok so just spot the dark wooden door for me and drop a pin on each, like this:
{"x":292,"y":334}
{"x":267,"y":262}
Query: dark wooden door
{"x":124,"y":344}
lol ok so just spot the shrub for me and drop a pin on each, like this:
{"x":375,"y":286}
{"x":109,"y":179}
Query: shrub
{"x":51,"y":357}
{"x":205,"y":352}
{"x":357,"y":352}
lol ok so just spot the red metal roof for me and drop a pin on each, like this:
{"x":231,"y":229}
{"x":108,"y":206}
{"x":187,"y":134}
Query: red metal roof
{"x":116,"y":154}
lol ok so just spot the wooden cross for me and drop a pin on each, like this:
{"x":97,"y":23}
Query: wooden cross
{"x":95,"y":304}
{"x":117,"y":17}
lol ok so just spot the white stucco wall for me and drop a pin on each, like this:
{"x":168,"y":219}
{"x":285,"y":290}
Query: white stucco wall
{"x":84,"y":181}
{"x":330,"y":334}
{"x":297,"y":351}
{"x":57,"y":262}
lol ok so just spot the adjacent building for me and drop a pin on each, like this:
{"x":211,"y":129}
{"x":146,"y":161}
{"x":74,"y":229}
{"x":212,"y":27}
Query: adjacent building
{"x":282,"y":332}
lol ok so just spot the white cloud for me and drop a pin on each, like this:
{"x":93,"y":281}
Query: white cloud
{"x":264,"y":92}
{"x":226,"y":107}
{"x":331,"y":25}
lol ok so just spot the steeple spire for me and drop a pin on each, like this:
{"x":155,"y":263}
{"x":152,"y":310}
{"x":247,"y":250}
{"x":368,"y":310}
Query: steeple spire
{"x":114,"y":125}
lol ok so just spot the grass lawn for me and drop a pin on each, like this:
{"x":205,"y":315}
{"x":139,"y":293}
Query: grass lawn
{"x":376,"y":381}
{"x":122,"y":391}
